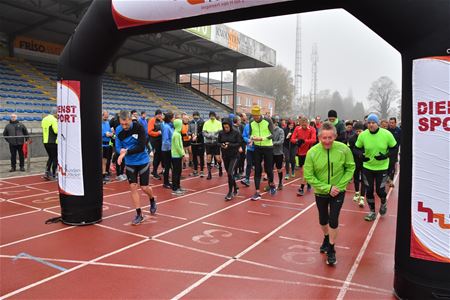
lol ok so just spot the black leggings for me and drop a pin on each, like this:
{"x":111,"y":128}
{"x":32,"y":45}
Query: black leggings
{"x":198,"y":153}
{"x":230,"y":166}
{"x":167,"y":158}
{"x":380,"y":178}
{"x":176,"y":172}
{"x":157,"y":155}
{"x":358,"y":181}
{"x":52,"y":151}
{"x":329,"y":209}
{"x":249,"y":166}
{"x":289,"y":158}
{"x":241,"y":163}
{"x":263,"y":154}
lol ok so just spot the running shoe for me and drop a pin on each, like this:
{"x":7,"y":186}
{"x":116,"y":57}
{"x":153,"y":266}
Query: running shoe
{"x":265,"y":178}
{"x":286,"y":177}
{"x":245,"y":182}
{"x":220,"y":172}
{"x":300,"y":192}
{"x":331,"y":256}
{"x":156,"y":176}
{"x":383,"y":208}
{"x":266,"y":188}
{"x":356,"y":197}
{"x":137,"y":220}
{"x":167,"y":186}
{"x":256,"y":197}
{"x":293,"y":175}
{"x":371,"y":216}
{"x":228,"y":197}
{"x":325,"y":244}
{"x":280,"y":186}
{"x":178,"y":193}
{"x":194,"y":174}
{"x":152,"y":206}
{"x":202,"y":174}
{"x":273,"y":190}
{"x":236,"y":192}
{"x":209,"y":176}
{"x":361,"y":201}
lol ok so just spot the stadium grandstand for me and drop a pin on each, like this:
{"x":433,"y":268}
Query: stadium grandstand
{"x":144,"y":75}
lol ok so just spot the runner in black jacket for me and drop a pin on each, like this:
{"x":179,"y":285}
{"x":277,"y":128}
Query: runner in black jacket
{"x":230,"y":141}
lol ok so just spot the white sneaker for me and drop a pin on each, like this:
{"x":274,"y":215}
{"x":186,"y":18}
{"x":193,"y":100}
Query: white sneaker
{"x":361,"y":201}
{"x":356,"y":197}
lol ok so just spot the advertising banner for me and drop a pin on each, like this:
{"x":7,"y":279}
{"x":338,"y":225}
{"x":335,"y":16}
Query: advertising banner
{"x":131,"y":13}
{"x":70,"y":160}
{"x":35,"y":45}
{"x":430,"y":207}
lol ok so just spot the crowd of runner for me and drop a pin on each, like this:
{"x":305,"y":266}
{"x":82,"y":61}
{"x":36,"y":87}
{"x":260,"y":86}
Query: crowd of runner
{"x":327,"y":154}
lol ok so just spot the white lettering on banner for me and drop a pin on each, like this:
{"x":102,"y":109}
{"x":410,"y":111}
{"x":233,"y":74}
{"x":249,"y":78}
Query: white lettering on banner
{"x":130,"y":13}
{"x":70,"y":161}
{"x":430,"y":194}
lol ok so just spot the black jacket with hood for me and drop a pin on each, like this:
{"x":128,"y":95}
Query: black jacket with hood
{"x":233,"y":138}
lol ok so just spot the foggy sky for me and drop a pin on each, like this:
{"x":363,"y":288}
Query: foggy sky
{"x":351,"y":56}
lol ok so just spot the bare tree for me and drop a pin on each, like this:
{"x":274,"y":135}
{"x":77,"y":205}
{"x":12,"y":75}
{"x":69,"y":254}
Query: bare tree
{"x":383,"y":94}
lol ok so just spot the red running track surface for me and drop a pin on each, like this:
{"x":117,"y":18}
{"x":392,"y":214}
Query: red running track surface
{"x":196,"y":246}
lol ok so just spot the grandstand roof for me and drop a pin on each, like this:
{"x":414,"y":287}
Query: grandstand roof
{"x":229,"y":86}
{"x":187,"y":51}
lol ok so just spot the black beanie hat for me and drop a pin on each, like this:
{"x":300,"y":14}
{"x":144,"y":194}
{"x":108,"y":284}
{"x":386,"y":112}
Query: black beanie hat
{"x":332,"y":114}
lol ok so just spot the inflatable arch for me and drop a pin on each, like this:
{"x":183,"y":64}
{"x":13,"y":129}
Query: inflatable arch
{"x":418,"y":29}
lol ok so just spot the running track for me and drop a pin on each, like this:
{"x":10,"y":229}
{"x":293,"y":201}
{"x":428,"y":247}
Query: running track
{"x":197,"y":246}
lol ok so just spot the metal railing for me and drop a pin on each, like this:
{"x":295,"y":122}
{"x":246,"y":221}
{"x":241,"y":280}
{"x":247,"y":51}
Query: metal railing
{"x":36,"y":151}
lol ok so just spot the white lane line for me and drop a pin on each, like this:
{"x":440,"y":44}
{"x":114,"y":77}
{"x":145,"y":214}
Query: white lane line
{"x":257,"y":213}
{"x":191,"y":248}
{"x":21,"y":204}
{"x":171,"y":216}
{"x":233,"y":228}
{"x":21,"y":214}
{"x":233,"y":276}
{"x":36,"y":236}
{"x":363,"y":249}
{"x":282,"y":202}
{"x":168,"y":200}
{"x":223,"y":194}
{"x":199,"y":203}
{"x":354,"y":211}
{"x":311,"y":275}
{"x":122,"y":231}
{"x":227,"y":263}
{"x":302,"y":283}
{"x":71,"y":270}
{"x":205,"y":216}
{"x":37,"y":189}
{"x":33,"y":195}
{"x":118,"y":205}
{"x":309,"y":242}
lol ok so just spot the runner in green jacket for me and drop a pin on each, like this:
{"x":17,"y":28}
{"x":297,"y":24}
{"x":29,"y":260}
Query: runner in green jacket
{"x":329,"y":167}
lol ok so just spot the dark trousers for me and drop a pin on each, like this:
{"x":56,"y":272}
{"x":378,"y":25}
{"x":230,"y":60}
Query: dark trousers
{"x":289,"y":158}
{"x":167,"y":159}
{"x":263,"y":154}
{"x":119,"y":168}
{"x":157,"y":155}
{"x":107,"y":154}
{"x":358,"y":181}
{"x":198,"y":153}
{"x":392,"y":161}
{"x":52,"y":152}
{"x":241,"y":162}
{"x":14,"y":149}
{"x":176,"y":172}
{"x":380,"y":178}
{"x":230,"y":166}
{"x":249,"y":166}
